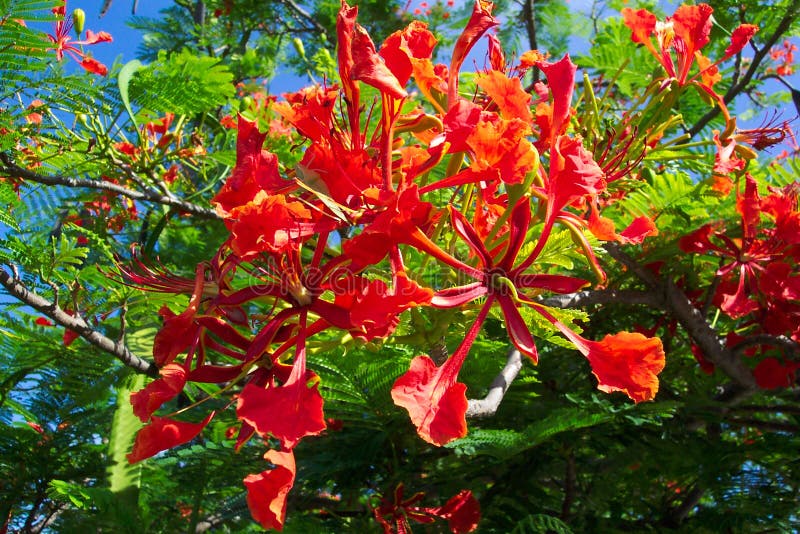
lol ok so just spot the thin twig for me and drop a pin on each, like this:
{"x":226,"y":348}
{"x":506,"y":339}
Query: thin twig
{"x":304,"y":14}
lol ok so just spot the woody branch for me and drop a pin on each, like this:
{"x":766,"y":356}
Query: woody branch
{"x":9,"y":168}
{"x":75,"y":323}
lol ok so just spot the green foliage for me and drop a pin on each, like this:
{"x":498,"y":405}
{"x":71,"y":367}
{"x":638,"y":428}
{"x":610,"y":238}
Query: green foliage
{"x":181,"y":83}
{"x":615,"y":57}
{"x":540,"y":523}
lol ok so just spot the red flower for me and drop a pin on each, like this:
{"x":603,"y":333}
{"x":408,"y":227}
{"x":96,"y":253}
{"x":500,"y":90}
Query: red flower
{"x":462,"y":512}
{"x":66,"y":44}
{"x":750,"y":256}
{"x":267,"y":491}
{"x":685,"y":34}
{"x":256,"y":170}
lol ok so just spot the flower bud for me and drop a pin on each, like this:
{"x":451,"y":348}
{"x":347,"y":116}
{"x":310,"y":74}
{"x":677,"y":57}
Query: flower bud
{"x":299,"y":48}
{"x":78,"y":21}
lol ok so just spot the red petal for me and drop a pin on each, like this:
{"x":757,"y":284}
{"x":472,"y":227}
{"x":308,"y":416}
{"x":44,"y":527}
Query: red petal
{"x":94,"y":66}
{"x":640,"y":228}
{"x":561,"y":80}
{"x":41,"y":321}
{"x":267,"y":491}
{"x":436,"y":403}
{"x":175,"y":336}
{"x":415,"y":41}
{"x":517,"y":329}
{"x":642,"y":24}
{"x":557,"y":283}
{"x":256,"y":169}
{"x":375,"y":312}
{"x":370,"y":68}
{"x":736,"y":304}
{"x":573,"y":174}
{"x":480,"y":21}
{"x":693,"y":25}
{"x":288,"y":412}
{"x":148,"y":400}
{"x":454,"y":297}
{"x":270,"y":223}
{"x":162,"y":434}
{"x":99,"y":37}
{"x":627,"y":362}
{"x":507,"y":93}
{"x":699,"y":241}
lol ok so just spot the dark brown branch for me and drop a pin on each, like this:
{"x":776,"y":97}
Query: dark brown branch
{"x":695,"y":324}
{"x":487,"y":406}
{"x":570,"y":479}
{"x":529,"y":17}
{"x":76,"y":324}
{"x":603,"y":296}
{"x":735,"y":89}
{"x":791,"y":346}
{"x":9,"y":168}
{"x":302,"y":13}
{"x":778,"y":408}
{"x":773,"y":426}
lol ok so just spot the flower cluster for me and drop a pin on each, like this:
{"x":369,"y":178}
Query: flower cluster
{"x":476,"y":184}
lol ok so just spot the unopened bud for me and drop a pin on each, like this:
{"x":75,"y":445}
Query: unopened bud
{"x":299,"y":48}
{"x":247,"y":103}
{"x":80,"y":118}
{"x":78,"y":21}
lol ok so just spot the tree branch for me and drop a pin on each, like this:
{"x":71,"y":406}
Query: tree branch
{"x":677,"y":515}
{"x":603,"y":296}
{"x":487,"y":406}
{"x":791,"y":346}
{"x":76,"y":324}
{"x":302,"y":13}
{"x":735,"y":89}
{"x":9,"y":168}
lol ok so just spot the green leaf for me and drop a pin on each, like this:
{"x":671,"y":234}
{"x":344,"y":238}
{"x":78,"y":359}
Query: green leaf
{"x":124,"y":79}
{"x":124,"y":479}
